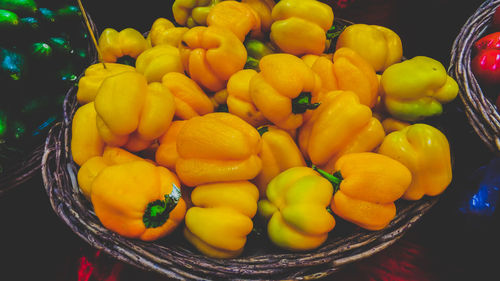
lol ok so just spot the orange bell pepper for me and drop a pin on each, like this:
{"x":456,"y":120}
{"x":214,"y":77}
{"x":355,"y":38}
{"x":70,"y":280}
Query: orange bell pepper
{"x":166,"y":154}
{"x":340,"y":125}
{"x":190,"y":99}
{"x":366,"y":185}
{"x":210,"y":55}
{"x":151,"y":206}
{"x":217,"y":147}
{"x":238,"y":17}
{"x":263,"y":8}
{"x":239,"y":101}
{"x":353,"y":73}
{"x":283,"y":89}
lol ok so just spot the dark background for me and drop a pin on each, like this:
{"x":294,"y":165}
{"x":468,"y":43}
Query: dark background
{"x":447,"y":244}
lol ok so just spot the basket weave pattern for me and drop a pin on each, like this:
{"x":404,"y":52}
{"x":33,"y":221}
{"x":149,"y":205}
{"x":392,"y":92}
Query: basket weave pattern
{"x":481,"y":112}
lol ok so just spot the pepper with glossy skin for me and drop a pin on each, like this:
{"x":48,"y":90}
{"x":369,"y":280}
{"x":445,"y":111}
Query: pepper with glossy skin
{"x":159,"y":60}
{"x":239,"y":101}
{"x":283,"y":89}
{"x":238,"y":17}
{"x":486,"y":67}
{"x":217,"y":147}
{"x":129,"y":110}
{"x":110,"y":155}
{"x":190,"y":99}
{"x":93,"y":77}
{"x":299,"y":26}
{"x":192,"y":13}
{"x":127,"y":42}
{"x":166,"y":154}
{"x":416,"y":88}
{"x":385,"y":47}
{"x":426,"y":152}
{"x":323,"y":67}
{"x":138,"y":200}
{"x":366,"y":185}
{"x":221,"y":218}
{"x":279,"y":152}
{"x":340,"y":125}
{"x":85,"y":139}
{"x":353,"y":73}
{"x":164,"y":31}
{"x":296,"y":209}
{"x":263,"y":8}
{"x":210,"y":56}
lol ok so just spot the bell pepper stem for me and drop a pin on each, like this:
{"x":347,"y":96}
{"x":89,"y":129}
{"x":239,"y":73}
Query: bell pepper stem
{"x":302,"y":103}
{"x":157,"y":212}
{"x":335,"y":179}
{"x":262,"y":130}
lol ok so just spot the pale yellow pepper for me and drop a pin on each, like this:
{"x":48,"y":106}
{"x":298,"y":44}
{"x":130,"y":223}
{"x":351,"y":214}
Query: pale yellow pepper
{"x":221,"y":218}
{"x":159,"y":60}
{"x":128,"y":42}
{"x":426,"y":152}
{"x":378,"y":45}
{"x":85,"y":139}
{"x":164,"y":31}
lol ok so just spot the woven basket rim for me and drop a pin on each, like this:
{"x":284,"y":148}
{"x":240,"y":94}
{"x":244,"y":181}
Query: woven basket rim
{"x":181,"y":261}
{"x":481,"y":113}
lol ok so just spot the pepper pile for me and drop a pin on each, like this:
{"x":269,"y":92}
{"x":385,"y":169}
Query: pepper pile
{"x":257,"y":108}
{"x":43,"y":47}
{"x":485,"y":63}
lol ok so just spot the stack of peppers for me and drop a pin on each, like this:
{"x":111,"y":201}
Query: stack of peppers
{"x":43,"y":48}
{"x":257,"y":109}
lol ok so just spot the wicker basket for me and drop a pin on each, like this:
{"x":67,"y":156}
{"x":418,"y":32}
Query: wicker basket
{"x":481,"y":112}
{"x":175,"y":258}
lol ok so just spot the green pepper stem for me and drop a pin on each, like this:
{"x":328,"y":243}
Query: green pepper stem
{"x":262,"y":130}
{"x":302,"y":103}
{"x":335,"y":179}
{"x":157,"y":212}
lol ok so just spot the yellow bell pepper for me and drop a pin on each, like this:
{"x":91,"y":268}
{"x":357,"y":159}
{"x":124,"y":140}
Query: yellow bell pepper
{"x":128,"y":107}
{"x":263,"y":8}
{"x":217,"y":147}
{"x":299,"y":26}
{"x":157,"y":61}
{"x":85,"y":139}
{"x":353,"y":73}
{"x":323,"y":67}
{"x":210,"y":55}
{"x":190,"y":99}
{"x":385,"y":47}
{"x":296,"y":207}
{"x":92,"y":167}
{"x":239,"y":101}
{"x":164,"y":31}
{"x":93,"y":77}
{"x":416,"y":88}
{"x":166,"y":154}
{"x":426,"y":152}
{"x":219,"y":99}
{"x":390,"y":125}
{"x":283,"y":89}
{"x":367,"y":184}
{"x":128,"y":42}
{"x":138,"y":200}
{"x":340,"y":125}
{"x":192,"y":13}
{"x":279,"y":152}
{"x":221,"y":218}
{"x":238,"y":17}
